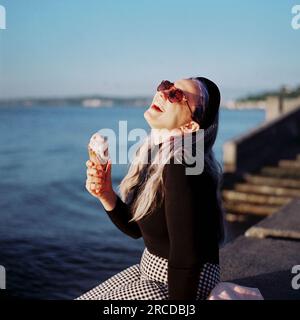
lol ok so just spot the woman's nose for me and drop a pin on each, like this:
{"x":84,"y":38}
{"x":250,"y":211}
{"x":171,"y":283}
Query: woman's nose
{"x":162,"y":94}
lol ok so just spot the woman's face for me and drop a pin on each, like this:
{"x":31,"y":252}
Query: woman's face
{"x":173,"y":115}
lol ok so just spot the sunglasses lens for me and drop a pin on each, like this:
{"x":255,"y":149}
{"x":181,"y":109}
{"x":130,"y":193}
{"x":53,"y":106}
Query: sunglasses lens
{"x":165,"y":85}
{"x":176,"y":96}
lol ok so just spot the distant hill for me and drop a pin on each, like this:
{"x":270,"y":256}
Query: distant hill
{"x":286,"y":92}
{"x":258,"y":101}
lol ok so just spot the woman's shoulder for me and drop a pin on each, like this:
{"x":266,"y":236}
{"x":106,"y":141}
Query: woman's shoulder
{"x":181,"y":171}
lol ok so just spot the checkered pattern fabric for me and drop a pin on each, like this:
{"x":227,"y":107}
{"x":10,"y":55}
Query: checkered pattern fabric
{"x":148,"y":280}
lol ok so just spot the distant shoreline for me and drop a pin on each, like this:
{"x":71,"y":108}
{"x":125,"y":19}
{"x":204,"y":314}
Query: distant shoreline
{"x":254,"y":101}
{"x":98,"y":103}
{"x":257,"y":101}
{"x":87,"y":101}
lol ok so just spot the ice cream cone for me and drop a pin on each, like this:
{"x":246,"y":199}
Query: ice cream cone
{"x":94,"y":158}
{"x":98,"y":149}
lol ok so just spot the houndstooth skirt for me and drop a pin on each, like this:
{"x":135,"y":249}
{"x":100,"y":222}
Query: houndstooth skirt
{"x":148,"y":280}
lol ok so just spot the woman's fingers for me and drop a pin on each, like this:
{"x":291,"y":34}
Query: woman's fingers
{"x":90,"y":164}
{"x":94,"y":172}
{"x":93,"y":187}
{"x":95,"y":179}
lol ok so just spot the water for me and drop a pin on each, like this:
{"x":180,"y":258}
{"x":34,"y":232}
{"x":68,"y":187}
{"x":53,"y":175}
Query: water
{"x":56,"y":242}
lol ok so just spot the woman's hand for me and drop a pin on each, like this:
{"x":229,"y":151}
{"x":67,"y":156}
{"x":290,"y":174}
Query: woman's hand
{"x":98,"y":182}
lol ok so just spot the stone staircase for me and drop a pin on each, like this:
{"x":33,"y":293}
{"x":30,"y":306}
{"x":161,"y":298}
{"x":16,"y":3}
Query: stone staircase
{"x":264,"y":192}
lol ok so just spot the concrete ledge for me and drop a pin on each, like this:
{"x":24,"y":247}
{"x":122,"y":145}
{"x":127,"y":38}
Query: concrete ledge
{"x":262,"y":263}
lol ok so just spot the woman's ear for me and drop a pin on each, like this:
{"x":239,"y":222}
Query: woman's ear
{"x":190,"y":127}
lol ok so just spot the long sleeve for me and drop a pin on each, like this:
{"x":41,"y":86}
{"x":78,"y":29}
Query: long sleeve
{"x":183,"y":229}
{"x":120,"y":216}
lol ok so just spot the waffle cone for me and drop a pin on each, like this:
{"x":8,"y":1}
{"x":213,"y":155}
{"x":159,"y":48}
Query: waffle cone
{"x":94,"y":158}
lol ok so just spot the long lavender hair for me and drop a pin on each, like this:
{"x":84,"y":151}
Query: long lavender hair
{"x":142,"y":187}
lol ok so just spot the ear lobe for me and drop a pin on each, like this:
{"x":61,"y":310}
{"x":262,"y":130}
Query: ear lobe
{"x":196,"y":126}
{"x":191,"y":126}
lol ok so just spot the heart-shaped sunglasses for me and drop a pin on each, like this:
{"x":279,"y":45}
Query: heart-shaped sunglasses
{"x":175,"y":95}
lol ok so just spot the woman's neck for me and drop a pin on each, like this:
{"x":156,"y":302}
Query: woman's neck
{"x":158,"y":136}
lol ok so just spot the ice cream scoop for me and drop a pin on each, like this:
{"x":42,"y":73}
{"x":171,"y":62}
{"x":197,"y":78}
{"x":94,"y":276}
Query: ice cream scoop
{"x":98,"y":147}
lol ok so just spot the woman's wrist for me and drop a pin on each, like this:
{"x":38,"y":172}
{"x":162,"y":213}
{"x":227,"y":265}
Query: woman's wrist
{"x":109,"y":200}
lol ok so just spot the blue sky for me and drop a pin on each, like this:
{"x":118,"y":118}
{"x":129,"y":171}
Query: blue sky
{"x":57,"y":48}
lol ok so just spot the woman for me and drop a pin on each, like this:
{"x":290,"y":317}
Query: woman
{"x":179,"y":215}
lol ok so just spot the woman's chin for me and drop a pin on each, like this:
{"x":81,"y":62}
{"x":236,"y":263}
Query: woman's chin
{"x":152,"y":119}
{"x":149,"y":116}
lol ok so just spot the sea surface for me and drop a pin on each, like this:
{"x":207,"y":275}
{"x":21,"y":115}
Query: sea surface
{"x":56,"y":241}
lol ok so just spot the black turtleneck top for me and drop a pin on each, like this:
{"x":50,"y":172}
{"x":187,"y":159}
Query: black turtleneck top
{"x":183,"y":229}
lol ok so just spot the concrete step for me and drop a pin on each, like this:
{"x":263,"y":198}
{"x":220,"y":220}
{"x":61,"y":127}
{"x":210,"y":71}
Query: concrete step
{"x":232,"y":195}
{"x":289,"y":164}
{"x":233,"y":217}
{"x":249,"y":208}
{"x":265,"y":180}
{"x":263,"y":189}
{"x":284,"y":224}
{"x":293,"y":173}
